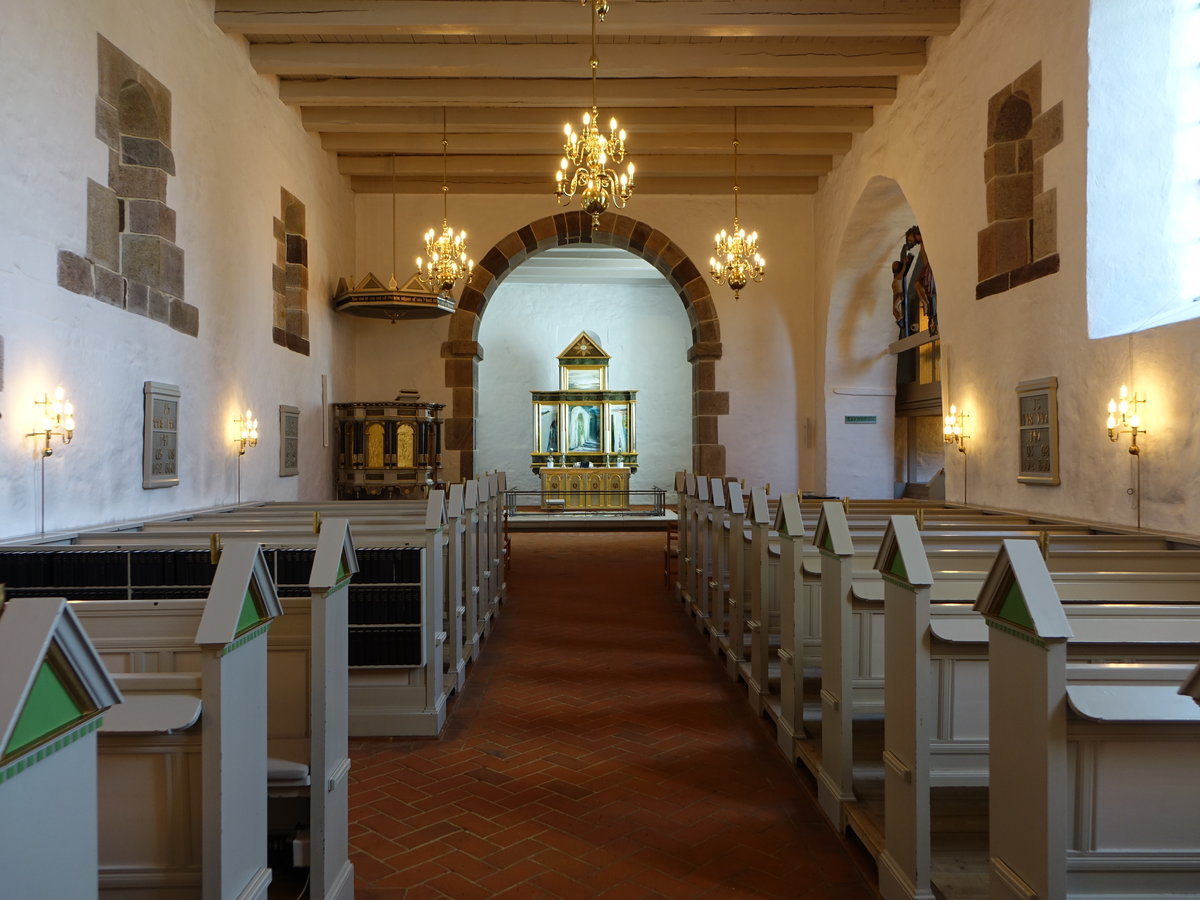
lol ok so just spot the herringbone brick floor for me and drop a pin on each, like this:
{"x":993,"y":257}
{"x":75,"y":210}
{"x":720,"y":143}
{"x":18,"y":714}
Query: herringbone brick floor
{"x":598,"y":751}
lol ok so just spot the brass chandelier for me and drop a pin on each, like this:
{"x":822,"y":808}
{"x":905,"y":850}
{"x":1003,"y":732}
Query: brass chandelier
{"x":737,"y":259}
{"x":592,"y":153}
{"x":446,"y":253}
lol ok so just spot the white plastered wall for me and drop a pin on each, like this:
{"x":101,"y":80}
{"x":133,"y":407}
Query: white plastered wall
{"x":931,"y":143}
{"x":645,"y":331}
{"x":235,"y":145}
{"x":766,"y":335}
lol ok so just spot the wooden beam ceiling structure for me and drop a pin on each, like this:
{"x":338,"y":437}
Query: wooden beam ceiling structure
{"x":371,"y":78}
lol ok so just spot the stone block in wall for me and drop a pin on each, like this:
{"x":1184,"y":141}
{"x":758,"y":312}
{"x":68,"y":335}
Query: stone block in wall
{"x":711,"y":403}
{"x":160,"y":306}
{"x":279,"y":336}
{"x":297,"y":344}
{"x":153,"y":261}
{"x":1010,"y":197}
{"x":279,"y":231}
{"x":1025,"y":155}
{"x":296,"y":298}
{"x":1039,"y":268}
{"x":704,"y":375}
{"x":278,"y":279}
{"x":996,"y":285}
{"x":1039,"y":176}
{"x":139,"y":181}
{"x":466,"y":464}
{"x":296,"y":276}
{"x":107,"y":128}
{"x":704,"y":429}
{"x":464,"y":402}
{"x":137,"y":298}
{"x":75,"y":273}
{"x":1045,"y":224}
{"x":462,"y":349}
{"x":1029,"y":85}
{"x":709,"y":459}
{"x":115,"y":69}
{"x":279,"y":312}
{"x":462,"y":327}
{"x":295,"y":321}
{"x":1002,"y":247}
{"x":297,"y":249}
{"x":103,"y":225}
{"x":110,"y":287}
{"x":708,"y":332}
{"x":140,"y":151}
{"x":150,"y":217}
{"x":707,"y":350}
{"x":184,"y":317}
{"x":460,"y":372}
{"x":1000,"y":159}
{"x":459,"y":434}
{"x":293,"y":213}
{"x":543,"y":229}
{"x":1047,"y":130}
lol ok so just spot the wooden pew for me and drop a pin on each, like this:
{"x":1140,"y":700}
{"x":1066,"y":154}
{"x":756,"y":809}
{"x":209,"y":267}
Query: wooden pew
{"x":388,"y":699}
{"x":687,"y":540}
{"x":935,"y":726}
{"x":152,"y":805}
{"x":54,"y":691}
{"x":1093,"y":768}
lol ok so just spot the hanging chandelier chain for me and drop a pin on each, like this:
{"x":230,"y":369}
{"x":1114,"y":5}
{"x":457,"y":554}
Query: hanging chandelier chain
{"x":589,"y":154}
{"x":447,"y":252}
{"x":737,"y":260}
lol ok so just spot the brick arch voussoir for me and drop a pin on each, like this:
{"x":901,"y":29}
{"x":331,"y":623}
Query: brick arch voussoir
{"x":462,"y":352}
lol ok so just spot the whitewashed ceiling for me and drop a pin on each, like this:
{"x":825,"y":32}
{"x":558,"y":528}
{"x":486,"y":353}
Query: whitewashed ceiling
{"x":372,"y":78}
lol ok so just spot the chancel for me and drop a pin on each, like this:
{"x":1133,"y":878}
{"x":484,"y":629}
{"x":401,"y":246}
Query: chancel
{"x":902,"y":511}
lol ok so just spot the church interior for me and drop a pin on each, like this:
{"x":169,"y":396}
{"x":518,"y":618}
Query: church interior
{"x":223,"y":282}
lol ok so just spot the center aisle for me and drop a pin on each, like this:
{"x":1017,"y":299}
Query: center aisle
{"x":598,"y":750}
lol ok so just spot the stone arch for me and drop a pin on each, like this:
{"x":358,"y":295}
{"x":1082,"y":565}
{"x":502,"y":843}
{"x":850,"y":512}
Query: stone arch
{"x":463,"y":353}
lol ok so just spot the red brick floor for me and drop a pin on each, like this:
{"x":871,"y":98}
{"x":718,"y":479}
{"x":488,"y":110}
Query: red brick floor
{"x":598,"y":750}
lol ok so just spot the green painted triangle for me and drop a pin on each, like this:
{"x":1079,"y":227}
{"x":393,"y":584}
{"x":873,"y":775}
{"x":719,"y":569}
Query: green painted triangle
{"x":1014,"y":608}
{"x":251,"y":612}
{"x":343,"y":569}
{"x":48,"y":710}
{"x":827,"y":543}
{"x":897,"y":567}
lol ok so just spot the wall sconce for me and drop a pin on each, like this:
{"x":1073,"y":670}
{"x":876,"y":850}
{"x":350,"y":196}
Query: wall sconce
{"x":248,"y":436}
{"x":57,"y":419}
{"x":1123,"y":418}
{"x":953,"y":430}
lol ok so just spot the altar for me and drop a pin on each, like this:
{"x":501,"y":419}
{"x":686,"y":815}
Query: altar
{"x":584,"y":489}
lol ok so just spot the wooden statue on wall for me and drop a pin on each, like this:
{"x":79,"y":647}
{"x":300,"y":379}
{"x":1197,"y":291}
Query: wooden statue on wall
{"x":914,"y":292}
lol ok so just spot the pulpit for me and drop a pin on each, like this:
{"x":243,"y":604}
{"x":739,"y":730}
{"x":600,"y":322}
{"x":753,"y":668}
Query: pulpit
{"x":388,"y":449}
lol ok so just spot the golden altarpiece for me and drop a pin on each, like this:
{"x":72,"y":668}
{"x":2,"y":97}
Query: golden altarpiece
{"x":389,"y":449}
{"x":584,"y":435}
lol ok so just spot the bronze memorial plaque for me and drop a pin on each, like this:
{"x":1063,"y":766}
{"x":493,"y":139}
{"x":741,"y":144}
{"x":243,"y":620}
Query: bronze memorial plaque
{"x":1038,"y":406}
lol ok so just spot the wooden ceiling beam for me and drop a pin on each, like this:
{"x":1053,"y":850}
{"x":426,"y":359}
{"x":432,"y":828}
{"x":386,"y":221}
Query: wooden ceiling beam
{"x":549,"y":141}
{"x":808,"y":57}
{"x":648,"y":185}
{"x":754,"y":18}
{"x":679,"y":165}
{"x":638,"y":120}
{"x":613,"y":92}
